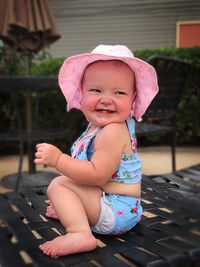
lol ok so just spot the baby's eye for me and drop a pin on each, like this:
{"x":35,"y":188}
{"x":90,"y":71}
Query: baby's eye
{"x":96,"y":90}
{"x":120,"y":93}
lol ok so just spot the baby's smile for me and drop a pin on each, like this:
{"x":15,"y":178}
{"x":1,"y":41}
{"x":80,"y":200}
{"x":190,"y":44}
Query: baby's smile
{"x":103,"y":110}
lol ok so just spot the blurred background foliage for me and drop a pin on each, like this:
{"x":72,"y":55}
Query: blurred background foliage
{"x":11,"y":63}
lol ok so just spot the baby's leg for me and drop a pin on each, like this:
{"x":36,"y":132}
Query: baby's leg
{"x":77,"y":207}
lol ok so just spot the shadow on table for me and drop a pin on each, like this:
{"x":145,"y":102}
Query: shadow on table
{"x":40,"y":178}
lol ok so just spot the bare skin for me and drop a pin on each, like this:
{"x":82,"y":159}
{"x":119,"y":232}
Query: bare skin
{"x":86,"y":202}
{"x":69,"y":244}
{"x":70,"y":241}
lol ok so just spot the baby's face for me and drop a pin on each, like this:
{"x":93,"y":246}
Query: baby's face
{"x":108,"y":91}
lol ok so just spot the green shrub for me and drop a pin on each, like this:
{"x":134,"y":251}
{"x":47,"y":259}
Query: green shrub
{"x":49,"y":67}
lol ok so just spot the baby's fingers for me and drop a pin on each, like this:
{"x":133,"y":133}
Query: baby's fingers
{"x":39,"y":158}
{"x":38,"y":155}
{"x":40,"y":145}
{"x":38,"y":161}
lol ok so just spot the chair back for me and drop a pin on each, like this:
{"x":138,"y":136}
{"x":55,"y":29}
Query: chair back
{"x":172,"y":78}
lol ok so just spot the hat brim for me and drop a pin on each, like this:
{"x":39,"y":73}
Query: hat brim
{"x":73,"y":68}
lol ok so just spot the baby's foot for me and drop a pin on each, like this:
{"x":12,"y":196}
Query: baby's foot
{"x":50,"y":212}
{"x":69,"y":244}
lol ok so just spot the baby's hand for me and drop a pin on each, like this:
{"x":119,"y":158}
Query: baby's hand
{"x":47,"y":155}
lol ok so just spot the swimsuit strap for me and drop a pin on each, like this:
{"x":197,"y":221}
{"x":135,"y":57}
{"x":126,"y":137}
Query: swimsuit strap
{"x":131,"y":126}
{"x":82,"y":140}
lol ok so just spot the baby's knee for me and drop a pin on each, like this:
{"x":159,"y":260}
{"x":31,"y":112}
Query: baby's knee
{"x":60,"y":181}
{"x":54,"y":184}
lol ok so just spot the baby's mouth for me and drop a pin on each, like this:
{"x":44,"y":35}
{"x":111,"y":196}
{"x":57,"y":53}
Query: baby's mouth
{"x":102,"y":110}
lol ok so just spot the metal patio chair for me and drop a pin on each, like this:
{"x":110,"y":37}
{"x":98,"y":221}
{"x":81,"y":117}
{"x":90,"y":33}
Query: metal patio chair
{"x":161,"y":115}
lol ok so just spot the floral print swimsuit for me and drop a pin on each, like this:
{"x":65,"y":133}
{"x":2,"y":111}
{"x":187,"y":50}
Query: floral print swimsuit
{"x":127,"y":209}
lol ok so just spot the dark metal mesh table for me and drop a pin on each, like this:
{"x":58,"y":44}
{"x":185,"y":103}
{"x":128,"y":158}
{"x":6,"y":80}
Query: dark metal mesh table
{"x":168,"y":234}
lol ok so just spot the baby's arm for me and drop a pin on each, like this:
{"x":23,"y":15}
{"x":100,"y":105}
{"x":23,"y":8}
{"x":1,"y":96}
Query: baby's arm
{"x":113,"y":187}
{"x":109,"y":147}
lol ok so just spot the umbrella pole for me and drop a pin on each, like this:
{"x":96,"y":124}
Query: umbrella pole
{"x":29,"y":126}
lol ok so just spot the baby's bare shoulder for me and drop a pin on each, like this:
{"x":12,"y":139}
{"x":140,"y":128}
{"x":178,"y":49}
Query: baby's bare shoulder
{"x":112,"y":132}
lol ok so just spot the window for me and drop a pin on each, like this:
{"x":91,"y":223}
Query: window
{"x":188,"y":34}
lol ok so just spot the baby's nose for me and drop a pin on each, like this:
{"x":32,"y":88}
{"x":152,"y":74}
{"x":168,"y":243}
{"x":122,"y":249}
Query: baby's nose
{"x":106,"y":100}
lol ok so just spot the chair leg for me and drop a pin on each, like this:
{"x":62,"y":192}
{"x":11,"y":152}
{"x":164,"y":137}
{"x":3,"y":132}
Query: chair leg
{"x":173,"y":151}
{"x":19,"y":173}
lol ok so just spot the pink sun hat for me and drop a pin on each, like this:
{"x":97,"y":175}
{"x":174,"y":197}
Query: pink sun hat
{"x":72,"y":71}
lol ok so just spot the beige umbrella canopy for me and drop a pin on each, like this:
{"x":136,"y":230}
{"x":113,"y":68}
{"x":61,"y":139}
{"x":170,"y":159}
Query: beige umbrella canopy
{"x":27,"y":25}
